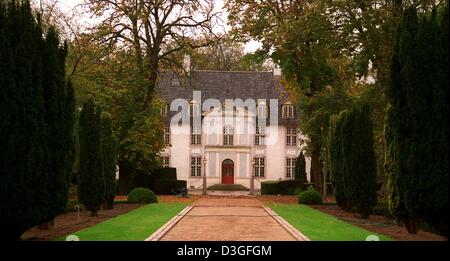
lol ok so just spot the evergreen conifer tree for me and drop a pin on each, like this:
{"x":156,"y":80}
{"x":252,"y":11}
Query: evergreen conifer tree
{"x":334,"y":144}
{"x":416,"y":129}
{"x":91,"y":182}
{"x":352,"y":160}
{"x":32,"y":81}
{"x":109,"y":156}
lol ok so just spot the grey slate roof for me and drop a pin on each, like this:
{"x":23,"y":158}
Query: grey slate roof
{"x":222,"y":85}
{"x":218,"y":85}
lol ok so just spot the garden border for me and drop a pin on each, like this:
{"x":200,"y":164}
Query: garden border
{"x":289,"y":228}
{"x":162,"y":231}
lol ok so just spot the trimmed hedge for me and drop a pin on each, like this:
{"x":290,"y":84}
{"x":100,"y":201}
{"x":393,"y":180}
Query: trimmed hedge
{"x":283,"y":187}
{"x":164,"y":173}
{"x":309,"y":196}
{"x":269,"y":188}
{"x":142,"y":195}
{"x":166,"y":186}
{"x":143,"y":180}
{"x":146,"y":180}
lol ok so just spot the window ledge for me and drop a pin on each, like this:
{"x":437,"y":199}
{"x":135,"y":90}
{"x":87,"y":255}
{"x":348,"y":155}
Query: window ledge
{"x":261,"y":146}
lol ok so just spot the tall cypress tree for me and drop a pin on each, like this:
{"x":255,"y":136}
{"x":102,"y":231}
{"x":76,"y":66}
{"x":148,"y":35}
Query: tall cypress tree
{"x":109,"y":156}
{"x":30,"y":185}
{"x":334,"y":148}
{"x":23,"y":183}
{"x":300,"y":168}
{"x":57,"y":124}
{"x":352,"y":160}
{"x":416,"y":128}
{"x":361,"y":185}
{"x":69,"y":131}
{"x":438,"y":213}
{"x":91,"y":182}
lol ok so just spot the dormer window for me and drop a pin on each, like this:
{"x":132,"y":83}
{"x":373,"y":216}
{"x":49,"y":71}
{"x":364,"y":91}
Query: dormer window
{"x":194,"y":109}
{"x":228,"y":135}
{"x":287,"y":110}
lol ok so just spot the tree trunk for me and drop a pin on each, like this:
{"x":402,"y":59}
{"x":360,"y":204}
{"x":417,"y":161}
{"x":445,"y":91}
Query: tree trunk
{"x":152,"y":78}
{"x":125,"y":183}
{"x":109,"y":203}
{"x":411,"y":225}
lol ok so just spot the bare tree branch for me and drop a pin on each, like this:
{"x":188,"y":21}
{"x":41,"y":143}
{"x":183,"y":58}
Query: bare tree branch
{"x":155,"y":29}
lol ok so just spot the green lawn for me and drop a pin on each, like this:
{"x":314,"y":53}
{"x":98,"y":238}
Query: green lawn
{"x":135,"y":225}
{"x":319,"y":226}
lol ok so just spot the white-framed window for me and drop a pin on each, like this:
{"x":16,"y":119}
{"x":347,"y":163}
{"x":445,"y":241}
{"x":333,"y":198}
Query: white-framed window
{"x":167,"y":135}
{"x":259,"y":167}
{"x":290,"y":168}
{"x":291,"y":137}
{"x":196,"y":166}
{"x":194,"y":109}
{"x":228,"y":135}
{"x":260,"y":136}
{"x":287,"y":111}
{"x":164,"y":110}
{"x":196,"y":135}
{"x":165,"y":161}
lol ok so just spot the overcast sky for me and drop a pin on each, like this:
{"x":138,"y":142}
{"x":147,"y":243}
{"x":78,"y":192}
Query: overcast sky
{"x":67,"y":5}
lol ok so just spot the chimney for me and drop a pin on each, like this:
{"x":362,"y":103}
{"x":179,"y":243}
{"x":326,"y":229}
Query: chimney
{"x":187,"y":63}
{"x":276,"y":70}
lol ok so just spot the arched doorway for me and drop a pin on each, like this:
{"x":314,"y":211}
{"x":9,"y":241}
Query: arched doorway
{"x":227,"y":172}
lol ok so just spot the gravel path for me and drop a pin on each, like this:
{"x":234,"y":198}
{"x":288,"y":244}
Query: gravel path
{"x":228,"y":219}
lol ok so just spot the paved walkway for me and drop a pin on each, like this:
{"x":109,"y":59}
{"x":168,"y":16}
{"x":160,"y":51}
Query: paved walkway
{"x":227,"y":219}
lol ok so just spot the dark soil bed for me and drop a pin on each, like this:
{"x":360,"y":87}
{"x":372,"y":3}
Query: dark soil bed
{"x":68,"y":223}
{"x":378,"y":224}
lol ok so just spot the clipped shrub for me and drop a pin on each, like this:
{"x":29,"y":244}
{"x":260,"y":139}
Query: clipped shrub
{"x":142,"y":195}
{"x":148,"y":180}
{"x":304,"y":187}
{"x":283,"y":187}
{"x":309,"y":197}
{"x":288,"y":187}
{"x":164,"y":173}
{"x":298,"y":190}
{"x":167,"y":186}
{"x":270,"y":188}
{"x":143,"y":180}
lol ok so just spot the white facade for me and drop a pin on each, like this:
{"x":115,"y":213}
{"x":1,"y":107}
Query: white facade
{"x":213,"y":152}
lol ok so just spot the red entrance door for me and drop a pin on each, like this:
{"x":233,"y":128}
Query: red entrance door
{"x":227,"y":172}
